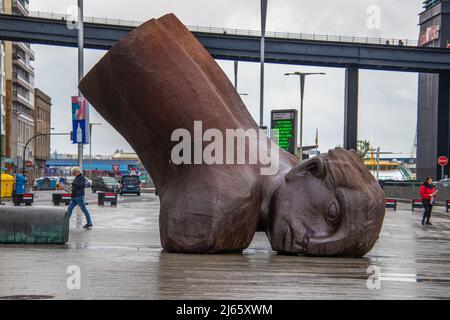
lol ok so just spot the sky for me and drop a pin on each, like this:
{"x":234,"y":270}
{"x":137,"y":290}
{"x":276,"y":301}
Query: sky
{"x":387,"y":100}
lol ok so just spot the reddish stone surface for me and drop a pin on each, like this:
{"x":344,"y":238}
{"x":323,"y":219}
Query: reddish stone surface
{"x":159,"y":78}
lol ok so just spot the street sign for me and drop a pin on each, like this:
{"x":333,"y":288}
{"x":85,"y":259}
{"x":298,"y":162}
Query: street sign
{"x":284,"y":129}
{"x":443,"y":161}
{"x":116,"y":168}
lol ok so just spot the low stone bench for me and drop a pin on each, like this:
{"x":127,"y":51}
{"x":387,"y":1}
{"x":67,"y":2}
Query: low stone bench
{"x":26,"y":225}
{"x":416,"y":203}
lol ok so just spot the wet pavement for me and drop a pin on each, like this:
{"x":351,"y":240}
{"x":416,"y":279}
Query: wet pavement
{"x":121,"y":258}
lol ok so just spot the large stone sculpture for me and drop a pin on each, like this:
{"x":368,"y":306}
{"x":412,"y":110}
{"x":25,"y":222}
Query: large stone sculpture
{"x":159,"y":79}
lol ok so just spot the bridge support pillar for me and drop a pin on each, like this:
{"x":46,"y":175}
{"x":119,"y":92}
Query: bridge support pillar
{"x":351,"y":108}
{"x":433,"y":116}
{"x":433,"y":124}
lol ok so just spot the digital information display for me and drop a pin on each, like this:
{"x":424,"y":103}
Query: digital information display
{"x":284,"y":129}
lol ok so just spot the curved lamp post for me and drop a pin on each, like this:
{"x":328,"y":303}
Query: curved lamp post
{"x":34,"y":137}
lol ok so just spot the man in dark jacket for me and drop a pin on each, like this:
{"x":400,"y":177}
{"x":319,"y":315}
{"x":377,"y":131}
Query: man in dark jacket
{"x":78,"y":185}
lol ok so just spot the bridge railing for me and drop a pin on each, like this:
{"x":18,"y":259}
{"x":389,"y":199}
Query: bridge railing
{"x":241,"y":32}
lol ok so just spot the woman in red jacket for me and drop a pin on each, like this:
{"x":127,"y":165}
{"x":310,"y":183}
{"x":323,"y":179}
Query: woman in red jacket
{"x":427,"y":192}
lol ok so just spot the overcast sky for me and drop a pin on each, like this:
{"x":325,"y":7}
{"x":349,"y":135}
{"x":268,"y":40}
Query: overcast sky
{"x":388,"y":100}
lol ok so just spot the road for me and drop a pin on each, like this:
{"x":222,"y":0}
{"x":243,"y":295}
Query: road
{"x":121,"y":258}
{"x":45,"y":197}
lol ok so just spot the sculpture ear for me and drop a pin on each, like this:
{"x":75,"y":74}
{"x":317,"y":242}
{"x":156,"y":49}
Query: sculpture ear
{"x":314,"y":166}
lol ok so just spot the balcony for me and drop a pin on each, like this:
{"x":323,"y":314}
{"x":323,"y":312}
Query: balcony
{"x":26,"y":48}
{"x":20,"y":61}
{"x":21,"y":6}
{"x":22,"y":99}
{"x":22,"y":80}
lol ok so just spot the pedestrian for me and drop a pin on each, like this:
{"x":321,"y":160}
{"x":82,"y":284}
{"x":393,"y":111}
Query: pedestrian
{"x":427,"y":192}
{"x":78,"y":186}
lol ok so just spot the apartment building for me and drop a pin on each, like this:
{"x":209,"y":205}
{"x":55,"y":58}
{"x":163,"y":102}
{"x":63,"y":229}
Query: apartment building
{"x":19,"y":124}
{"x":2,"y":93}
{"x":42,"y":116}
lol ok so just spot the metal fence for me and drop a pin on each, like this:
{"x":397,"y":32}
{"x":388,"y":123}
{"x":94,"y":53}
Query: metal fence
{"x":240,"y":32}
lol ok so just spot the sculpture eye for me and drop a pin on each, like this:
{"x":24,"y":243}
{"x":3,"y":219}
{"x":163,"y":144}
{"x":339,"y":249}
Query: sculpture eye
{"x":333,"y":216}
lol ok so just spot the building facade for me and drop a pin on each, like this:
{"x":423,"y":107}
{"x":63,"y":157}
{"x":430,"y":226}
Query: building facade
{"x":19,"y":122}
{"x":2,"y":94}
{"x":42,"y":117}
{"x":2,"y":97}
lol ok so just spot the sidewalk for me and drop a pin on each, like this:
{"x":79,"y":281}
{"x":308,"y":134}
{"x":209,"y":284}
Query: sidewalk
{"x":121,"y":258}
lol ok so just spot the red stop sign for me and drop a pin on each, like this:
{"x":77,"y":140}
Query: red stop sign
{"x":442,"y":161}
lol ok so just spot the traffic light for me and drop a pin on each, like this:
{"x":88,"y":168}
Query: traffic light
{"x":427,"y":4}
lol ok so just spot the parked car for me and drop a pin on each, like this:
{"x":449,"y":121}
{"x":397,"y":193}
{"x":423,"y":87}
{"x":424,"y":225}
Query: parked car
{"x":130,"y":184}
{"x":444,"y":183}
{"x":88,"y":182}
{"x":105,"y":184}
{"x":45,"y":183}
{"x":69,"y":179}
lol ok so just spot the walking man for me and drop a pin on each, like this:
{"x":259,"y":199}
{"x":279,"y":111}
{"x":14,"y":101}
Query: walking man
{"x":78,"y":185}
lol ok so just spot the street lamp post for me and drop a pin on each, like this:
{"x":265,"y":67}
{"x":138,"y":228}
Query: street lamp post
{"x":34,"y":137}
{"x":302,"y":76}
{"x":80,"y":68}
{"x":90,"y":147}
{"x":263,"y":35}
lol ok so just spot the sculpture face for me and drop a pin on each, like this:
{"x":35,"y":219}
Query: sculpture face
{"x":330,"y":205}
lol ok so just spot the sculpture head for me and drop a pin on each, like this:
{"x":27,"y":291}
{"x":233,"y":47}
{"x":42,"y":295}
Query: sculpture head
{"x":329,"y":205}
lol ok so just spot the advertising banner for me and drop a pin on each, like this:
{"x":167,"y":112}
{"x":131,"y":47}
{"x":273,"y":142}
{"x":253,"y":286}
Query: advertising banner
{"x":80,"y":120}
{"x":429,"y":35}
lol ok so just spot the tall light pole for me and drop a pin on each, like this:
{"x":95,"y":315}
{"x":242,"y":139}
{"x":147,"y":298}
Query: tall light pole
{"x":90,"y":147}
{"x":80,"y":69}
{"x":263,"y":35}
{"x":302,"y":76}
{"x":34,"y":137}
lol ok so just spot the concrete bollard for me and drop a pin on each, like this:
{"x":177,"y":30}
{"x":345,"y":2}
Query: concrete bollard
{"x":26,"y":198}
{"x":391,"y":203}
{"x":58,"y":198}
{"x":26,"y":225}
{"x":416,"y":203}
{"x":110,"y":197}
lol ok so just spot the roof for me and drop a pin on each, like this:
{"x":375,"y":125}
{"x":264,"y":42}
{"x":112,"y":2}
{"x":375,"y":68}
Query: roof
{"x":94,"y":164}
{"x":125,"y":155}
